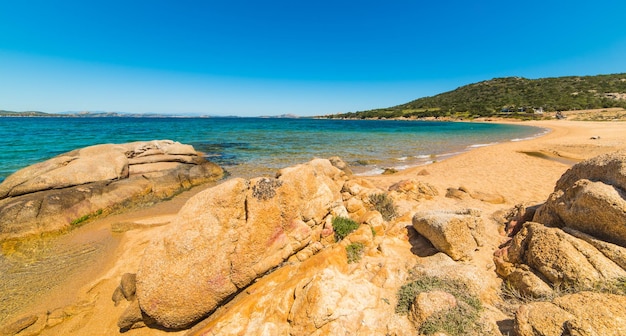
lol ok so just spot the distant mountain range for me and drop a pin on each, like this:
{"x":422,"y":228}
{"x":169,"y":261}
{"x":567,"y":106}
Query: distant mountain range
{"x":511,"y":96}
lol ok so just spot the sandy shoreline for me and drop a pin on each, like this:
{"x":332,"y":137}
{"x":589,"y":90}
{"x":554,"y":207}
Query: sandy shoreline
{"x":516,"y":172}
{"x":521,"y":171}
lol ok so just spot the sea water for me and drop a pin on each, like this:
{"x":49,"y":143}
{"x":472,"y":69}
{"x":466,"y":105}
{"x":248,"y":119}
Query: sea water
{"x":249,"y":147}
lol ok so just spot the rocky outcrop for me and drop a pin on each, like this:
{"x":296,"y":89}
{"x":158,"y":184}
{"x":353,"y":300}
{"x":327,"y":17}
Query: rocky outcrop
{"x":58,"y":193}
{"x":458,"y":234}
{"x":541,"y":254}
{"x":582,"y":314}
{"x":595,"y":208}
{"x":227,"y":236}
{"x":607,"y":168}
{"x":591,"y":198}
{"x":577,"y":239}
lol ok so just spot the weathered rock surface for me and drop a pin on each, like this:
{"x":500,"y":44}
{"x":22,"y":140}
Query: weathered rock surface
{"x":414,"y":189}
{"x":583,"y":313}
{"x":229,"y":235}
{"x":455,"y":233}
{"x":541,"y":318}
{"x":51,"y":195}
{"x":592,"y":207}
{"x":607,"y":168}
{"x":555,"y":257}
{"x":591,"y":197}
{"x":323,"y":295}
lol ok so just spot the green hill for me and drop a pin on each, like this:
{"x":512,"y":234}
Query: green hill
{"x":511,"y":96}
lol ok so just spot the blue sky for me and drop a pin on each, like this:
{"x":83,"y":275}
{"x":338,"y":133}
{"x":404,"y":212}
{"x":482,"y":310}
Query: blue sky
{"x":274,"y":57}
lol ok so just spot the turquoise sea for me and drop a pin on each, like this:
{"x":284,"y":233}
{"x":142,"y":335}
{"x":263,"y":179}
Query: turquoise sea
{"x":249,"y":147}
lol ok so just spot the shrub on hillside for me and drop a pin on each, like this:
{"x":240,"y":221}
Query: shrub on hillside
{"x":385,"y":205}
{"x":354,"y":252}
{"x":343,"y":226}
{"x":460,"y":320}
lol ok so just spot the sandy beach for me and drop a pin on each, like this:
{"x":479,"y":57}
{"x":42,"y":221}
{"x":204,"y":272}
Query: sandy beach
{"x":505,"y":174}
{"x":521,"y":171}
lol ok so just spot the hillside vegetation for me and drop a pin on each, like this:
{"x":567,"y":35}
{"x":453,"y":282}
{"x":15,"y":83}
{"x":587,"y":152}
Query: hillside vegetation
{"x":511,"y":97}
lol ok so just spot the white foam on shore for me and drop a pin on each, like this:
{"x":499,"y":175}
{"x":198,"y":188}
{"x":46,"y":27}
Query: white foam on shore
{"x":375,"y":171}
{"x":482,"y":145}
{"x":419,"y":160}
{"x":402,"y":167}
{"x":451,"y":154}
{"x":545,"y":131}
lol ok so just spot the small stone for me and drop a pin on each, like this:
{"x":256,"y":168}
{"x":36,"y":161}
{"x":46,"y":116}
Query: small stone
{"x":117,"y":296}
{"x":127,"y":285}
{"x":131,"y":318}
{"x":449,"y":232}
{"x":427,"y":304}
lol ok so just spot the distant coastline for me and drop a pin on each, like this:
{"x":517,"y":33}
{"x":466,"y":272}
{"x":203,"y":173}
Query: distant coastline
{"x":98,"y":114}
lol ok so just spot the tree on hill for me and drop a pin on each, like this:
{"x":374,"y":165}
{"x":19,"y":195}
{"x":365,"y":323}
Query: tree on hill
{"x":512,"y":95}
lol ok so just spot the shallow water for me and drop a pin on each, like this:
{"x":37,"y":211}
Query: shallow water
{"x":32,"y":269}
{"x":249,"y":147}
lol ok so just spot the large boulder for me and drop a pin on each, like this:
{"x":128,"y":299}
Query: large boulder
{"x":591,"y":197}
{"x":58,"y":193}
{"x":607,"y":168}
{"x":458,"y":234}
{"x":595,"y":208}
{"x":227,"y":236}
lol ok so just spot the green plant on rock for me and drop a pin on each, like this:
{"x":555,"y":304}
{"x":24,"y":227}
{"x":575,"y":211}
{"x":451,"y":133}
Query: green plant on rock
{"x":620,"y":285}
{"x":354,"y":252}
{"x":343,"y":226}
{"x":514,"y":296}
{"x":86,"y":217}
{"x":460,"y":320}
{"x":385,"y":205}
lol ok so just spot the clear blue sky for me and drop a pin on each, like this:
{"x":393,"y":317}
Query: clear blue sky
{"x":235,"y":57}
